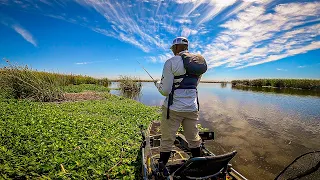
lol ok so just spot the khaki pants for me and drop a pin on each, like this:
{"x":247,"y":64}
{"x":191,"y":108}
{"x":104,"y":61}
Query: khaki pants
{"x":169,"y":128}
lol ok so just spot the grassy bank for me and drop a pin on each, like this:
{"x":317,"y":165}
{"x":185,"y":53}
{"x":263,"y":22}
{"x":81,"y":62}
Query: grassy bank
{"x":139,"y":80}
{"x":59,"y":79}
{"x":84,"y":87}
{"x":71,"y":140}
{"x":135,"y":80}
{"x":309,"y":84}
{"x":21,"y":82}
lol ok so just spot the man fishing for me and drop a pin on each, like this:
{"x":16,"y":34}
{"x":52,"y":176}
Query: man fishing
{"x":180,"y":77}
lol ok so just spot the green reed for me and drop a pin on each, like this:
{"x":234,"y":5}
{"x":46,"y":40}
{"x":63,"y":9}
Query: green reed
{"x":127,"y":83}
{"x":22,"y":82}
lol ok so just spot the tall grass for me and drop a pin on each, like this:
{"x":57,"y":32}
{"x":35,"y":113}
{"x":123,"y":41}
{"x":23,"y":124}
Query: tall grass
{"x":310,"y":84}
{"x":127,"y":83}
{"x":22,"y":82}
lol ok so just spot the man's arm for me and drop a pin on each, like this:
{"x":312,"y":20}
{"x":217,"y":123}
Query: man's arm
{"x":165,"y":85}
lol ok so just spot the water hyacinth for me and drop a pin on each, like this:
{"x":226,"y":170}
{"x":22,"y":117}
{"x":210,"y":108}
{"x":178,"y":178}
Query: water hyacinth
{"x":96,"y":139}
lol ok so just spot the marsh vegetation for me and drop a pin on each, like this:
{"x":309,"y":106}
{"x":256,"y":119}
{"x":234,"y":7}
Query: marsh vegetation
{"x":129,"y":84}
{"x":83,"y":132}
{"x":309,"y":84}
{"x":95,"y":139}
{"x":22,"y":82}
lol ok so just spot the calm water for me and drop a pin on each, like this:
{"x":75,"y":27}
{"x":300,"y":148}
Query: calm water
{"x":267,"y":128}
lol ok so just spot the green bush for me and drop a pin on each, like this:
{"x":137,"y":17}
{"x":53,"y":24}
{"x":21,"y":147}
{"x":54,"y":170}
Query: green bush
{"x":129,"y":84}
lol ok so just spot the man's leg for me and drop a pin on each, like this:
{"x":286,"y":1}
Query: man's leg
{"x":191,"y":132}
{"x":169,"y":128}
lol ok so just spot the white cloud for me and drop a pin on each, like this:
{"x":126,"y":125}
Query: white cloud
{"x":161,"y":58}
{"x":145,"y":24}
{"x":302,"y":66}
{"x":11,"y":23}
{"x":133,"y":41}
{"x":153,"y":59}
{"x":214,"y":8}
{"x":184,"y":21}
{"x":164,"y":57}
{"x":46,"y":2}
{"x":87,"y":62}
{"x":82,"y":63}
{"x":255,"y":37}
{"x":25,"y":34}
{"x":186,"y":1}
{"x":131,"y":23}
{"x":258,"y":32}
{"x":4,"y":2}
{"x":186,"y":32}
{"x":279,"y":69}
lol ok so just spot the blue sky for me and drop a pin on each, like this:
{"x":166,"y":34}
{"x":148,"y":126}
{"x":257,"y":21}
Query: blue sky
{"x":105,"y":38}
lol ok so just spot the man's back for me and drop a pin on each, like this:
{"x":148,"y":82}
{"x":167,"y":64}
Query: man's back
{"x":184,"y":100}
{"x":183,"y":105}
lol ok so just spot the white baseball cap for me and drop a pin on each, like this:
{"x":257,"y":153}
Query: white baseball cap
{"x":179,"y":40}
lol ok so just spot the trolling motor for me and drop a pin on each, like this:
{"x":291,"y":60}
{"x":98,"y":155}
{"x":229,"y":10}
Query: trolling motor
{"x":206,"y":135}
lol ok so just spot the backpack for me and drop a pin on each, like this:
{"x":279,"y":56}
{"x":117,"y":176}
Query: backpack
{"x":195,"y":66}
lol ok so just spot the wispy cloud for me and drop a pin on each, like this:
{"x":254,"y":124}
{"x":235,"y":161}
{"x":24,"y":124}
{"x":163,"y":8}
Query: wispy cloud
{"x":159,"y":59}
{"x":184,"y":21}
{"x":152,"y":59}
{"x":186,"y":32}
{"x":25,"y":34}
{"x":88,"y":62}
{"x":11,"y":23}
{"x":302,"y":66}
{"x":231,"y":33}
{"x":81,"y":63}
{"x":279,"y":69}
{"x":149,"y":25}
{"x":255,"y":37}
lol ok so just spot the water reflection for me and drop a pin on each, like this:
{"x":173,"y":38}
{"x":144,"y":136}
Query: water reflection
{"x":266,"y":138}
{"x":131,"y":94}
{"x":267,"y":129}
{"x":223,"y":85}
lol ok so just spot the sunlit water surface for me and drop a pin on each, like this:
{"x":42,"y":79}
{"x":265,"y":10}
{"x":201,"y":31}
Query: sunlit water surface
{"x":267,"y":129}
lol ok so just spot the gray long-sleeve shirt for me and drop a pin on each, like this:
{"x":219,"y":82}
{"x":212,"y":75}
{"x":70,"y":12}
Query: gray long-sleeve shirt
{"x":184,"y":100}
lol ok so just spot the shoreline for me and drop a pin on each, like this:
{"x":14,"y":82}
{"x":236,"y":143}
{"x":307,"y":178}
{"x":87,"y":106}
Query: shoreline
{"x":117,"y":80}
{"x":303,"y":84}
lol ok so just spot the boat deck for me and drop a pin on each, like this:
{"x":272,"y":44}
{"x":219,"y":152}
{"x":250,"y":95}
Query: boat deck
{"x":177,"y":157}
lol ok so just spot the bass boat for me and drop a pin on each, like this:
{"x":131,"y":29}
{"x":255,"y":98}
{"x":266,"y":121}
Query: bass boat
{"x":181,"y":164}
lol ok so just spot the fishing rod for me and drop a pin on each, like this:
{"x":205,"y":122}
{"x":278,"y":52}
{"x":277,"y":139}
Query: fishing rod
{"x":146,"y":70}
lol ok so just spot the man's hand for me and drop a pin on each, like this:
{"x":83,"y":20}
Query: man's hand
{"x":155,"y":82}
